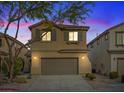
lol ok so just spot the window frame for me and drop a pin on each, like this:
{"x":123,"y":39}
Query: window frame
{"x":46,"y":39}
{"x":106,"y":36}
{"x":73,"y":36}
{"x":121,"y":32}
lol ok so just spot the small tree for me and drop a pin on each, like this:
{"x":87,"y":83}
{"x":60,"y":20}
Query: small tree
{"x":18,"y":66}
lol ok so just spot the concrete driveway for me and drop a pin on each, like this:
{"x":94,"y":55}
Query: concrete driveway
{"x":58,"y":83}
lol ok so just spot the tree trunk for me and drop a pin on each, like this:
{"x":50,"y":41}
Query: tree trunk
{"x":10,"y":64}
{"x":11,"y":72}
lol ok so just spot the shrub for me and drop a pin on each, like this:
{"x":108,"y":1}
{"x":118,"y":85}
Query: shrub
{"x":90,"y":76}
{"x":113,"y":75}
{"x":122,"y":78}
{"x":87,"y":74}
{"x":21,"y":79}
{"x":18,"y":66}
{"x":4,"y":67}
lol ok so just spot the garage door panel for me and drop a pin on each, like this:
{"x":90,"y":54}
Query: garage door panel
{"x":121,"y":66}
{"x":43,"y":68}
{"x":59,"y":66}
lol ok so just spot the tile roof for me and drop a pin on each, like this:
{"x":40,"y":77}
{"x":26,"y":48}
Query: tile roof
{"x":61,"y":26}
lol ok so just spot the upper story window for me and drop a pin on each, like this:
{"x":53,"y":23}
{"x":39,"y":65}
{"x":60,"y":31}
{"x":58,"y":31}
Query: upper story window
{"x":46,"y":36}
{"x":91,"y":46}
{"x":98,"y":41}
{"x":73,"y":36}
{"x":106,"y":36}
{"x":120,"y":38}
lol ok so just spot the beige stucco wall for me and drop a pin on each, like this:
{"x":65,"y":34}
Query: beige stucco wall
{"x":26,"y":59}
{"x":113,"y":38}
{"x":50,"y":49}
{"x":4,"y":46}
{"x":114,"y":47}
{"x":98,"y":55}
{"x":114,"y":60}
{"x":58,"y":44}
{"x":84,"y":64}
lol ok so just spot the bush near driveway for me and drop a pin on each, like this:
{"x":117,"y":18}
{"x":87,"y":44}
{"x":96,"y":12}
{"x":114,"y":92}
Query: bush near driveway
{"x":21,"y":79}
{"x":90,"y":76}
{"x":18,"y":66}
{"x":87,"y":74}
{"x":113,"y":75}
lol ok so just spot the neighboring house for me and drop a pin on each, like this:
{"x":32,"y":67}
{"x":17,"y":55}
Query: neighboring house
{"x":28,"y":57}
{"x":61,"y":51}
{"x":4,"y":50}
{"x":106,"y":51}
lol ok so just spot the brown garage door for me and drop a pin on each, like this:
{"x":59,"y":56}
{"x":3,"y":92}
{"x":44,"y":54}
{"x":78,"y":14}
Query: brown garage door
{"x":121,"y":66}
{"x":59,"y":66}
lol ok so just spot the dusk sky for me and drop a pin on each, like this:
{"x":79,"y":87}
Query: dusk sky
{"x":104,"y":15}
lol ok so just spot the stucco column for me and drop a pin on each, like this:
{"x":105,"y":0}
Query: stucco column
{"x":84,"y":64}
{"x":36,"y":63}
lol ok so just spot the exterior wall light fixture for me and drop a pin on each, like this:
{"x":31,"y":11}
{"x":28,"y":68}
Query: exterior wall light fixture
{"x":34,"y":57}
{"x":83,"y":57}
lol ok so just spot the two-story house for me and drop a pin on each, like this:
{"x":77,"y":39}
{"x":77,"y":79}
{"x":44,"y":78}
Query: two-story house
{"x":107,"y":51}
{"x":4,"y":51}
{"x":60,"y":51}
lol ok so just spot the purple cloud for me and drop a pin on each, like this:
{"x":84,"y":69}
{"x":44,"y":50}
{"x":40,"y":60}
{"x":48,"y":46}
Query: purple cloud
{"x":98,"y":22}
{"x":24,"y":37}
{"x":22,"y":24}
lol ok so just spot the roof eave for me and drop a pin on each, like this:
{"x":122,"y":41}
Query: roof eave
{"x":85,"y":28}
{"x":106,"y":31}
